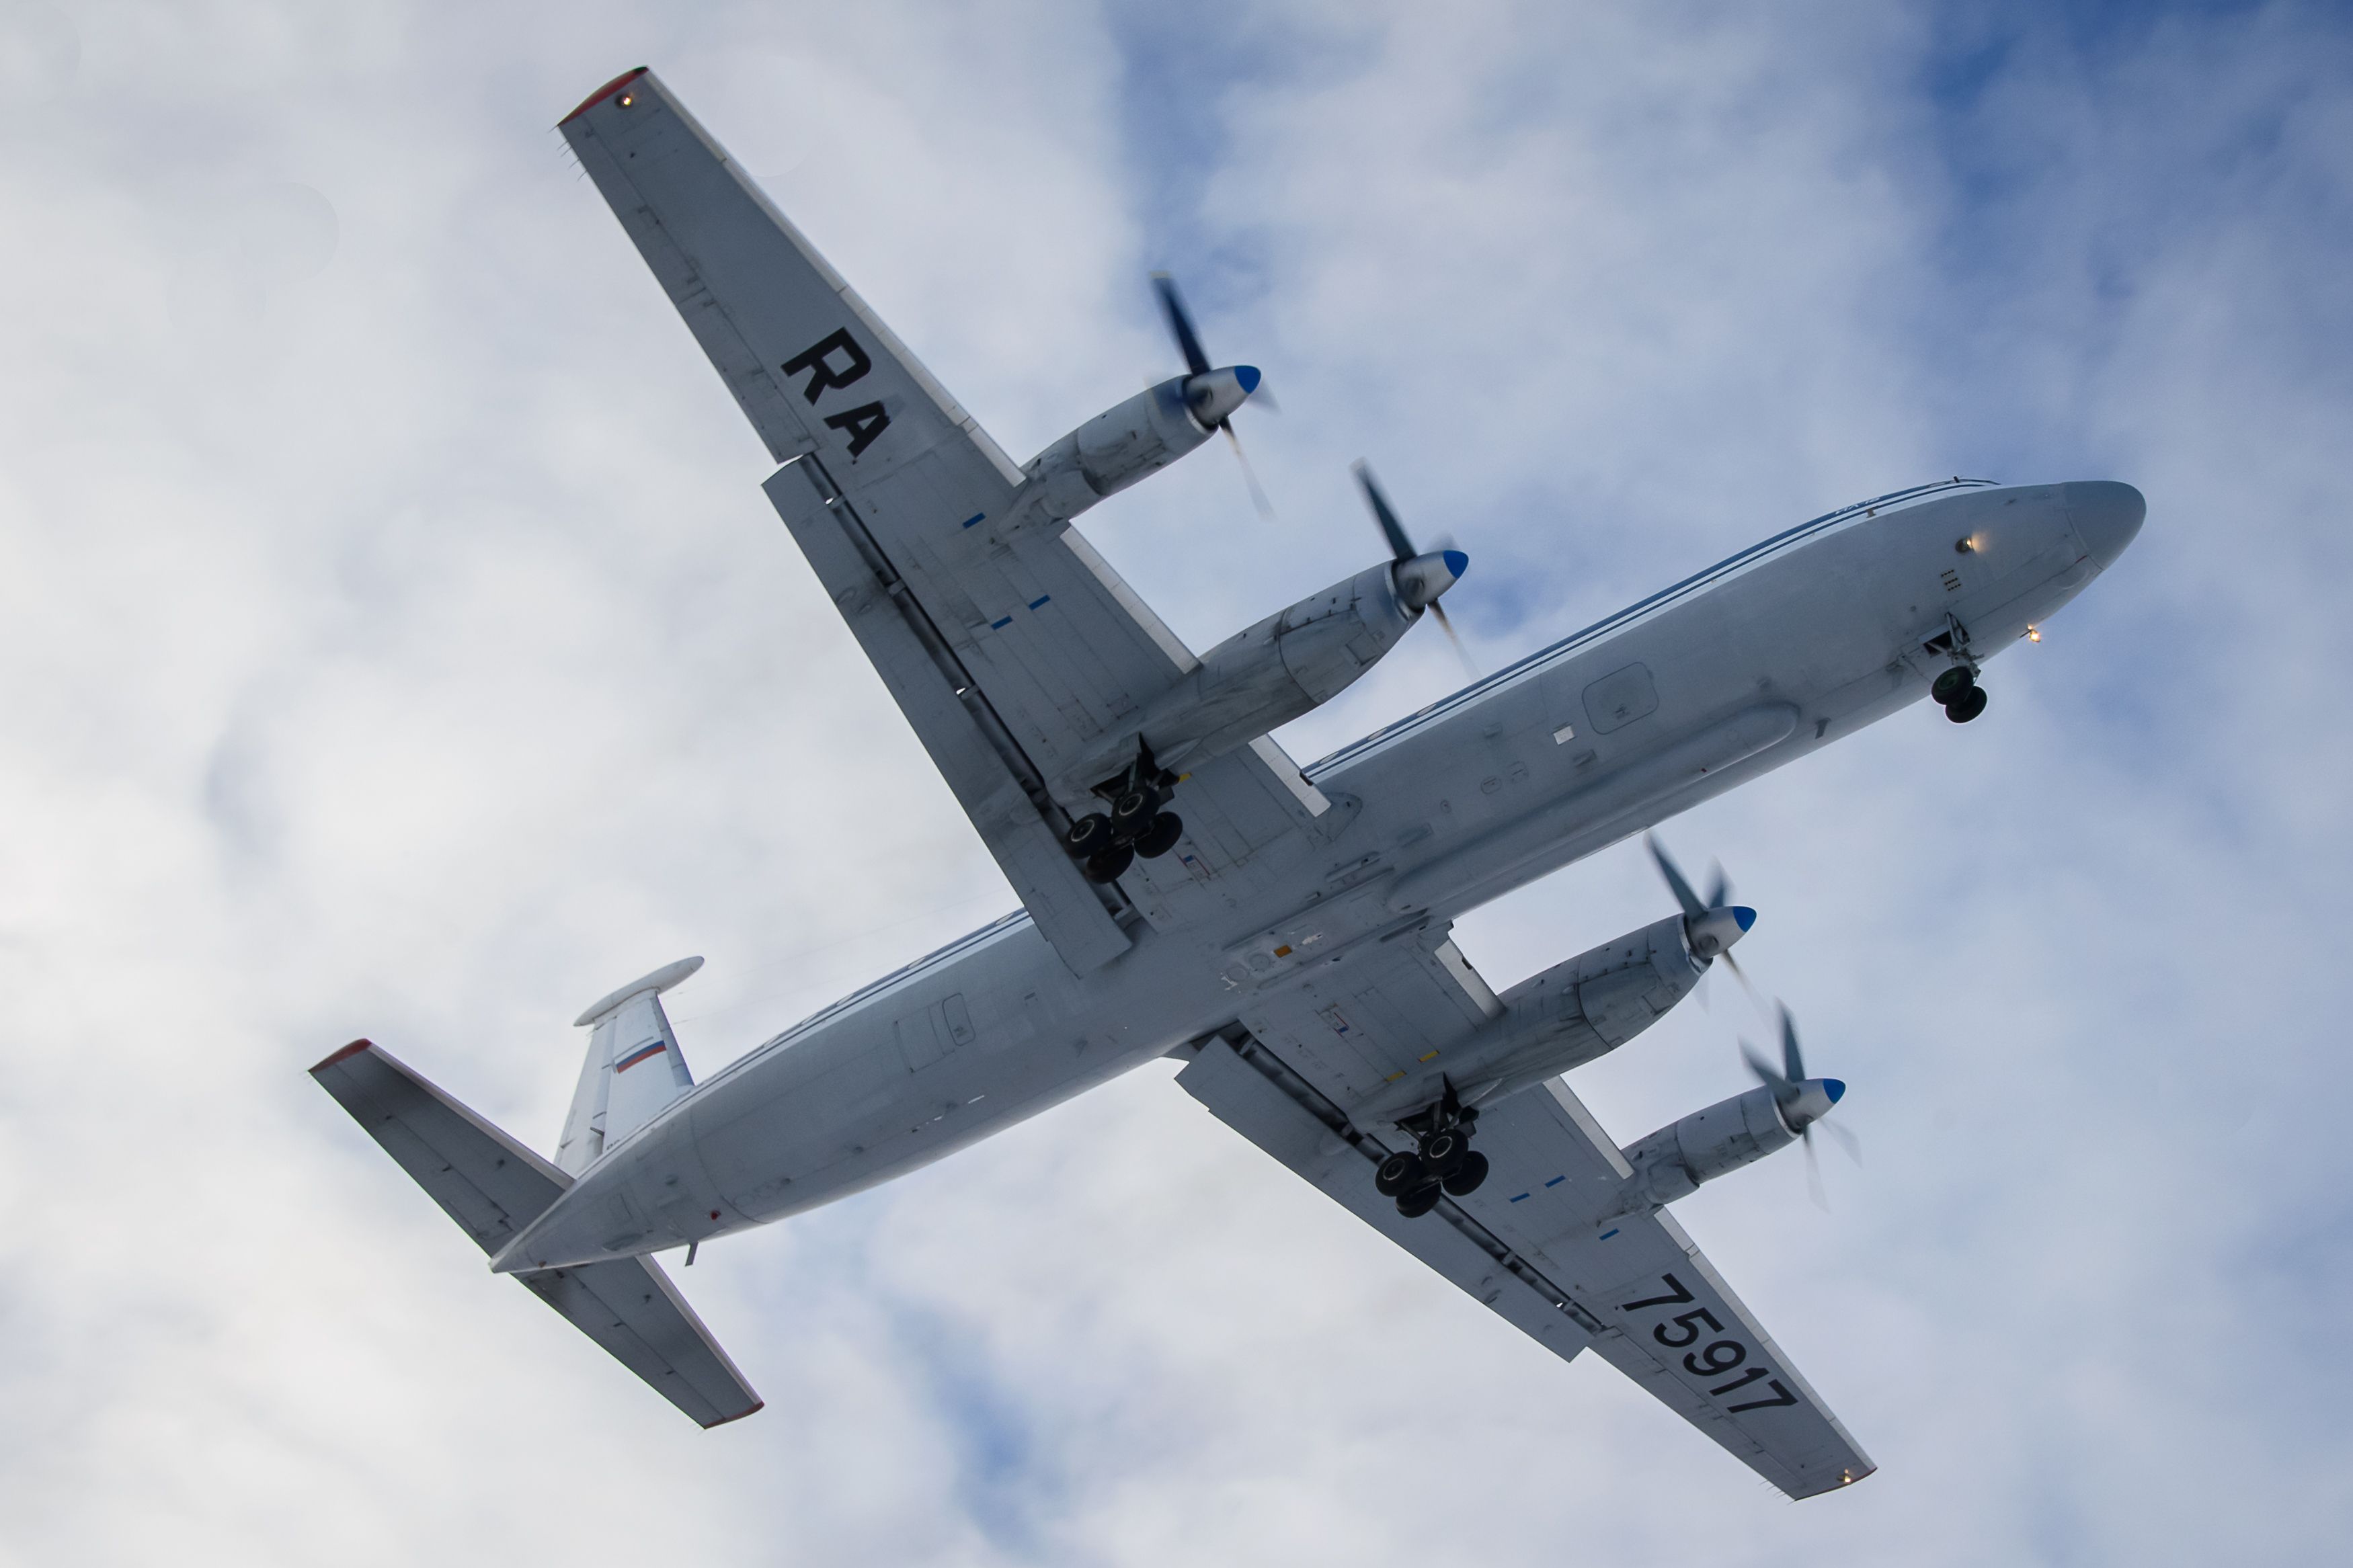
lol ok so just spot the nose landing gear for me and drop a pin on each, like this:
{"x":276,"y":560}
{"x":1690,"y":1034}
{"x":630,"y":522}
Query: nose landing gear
{"x":1958,"y":692}
{"x":1441,"y":1162}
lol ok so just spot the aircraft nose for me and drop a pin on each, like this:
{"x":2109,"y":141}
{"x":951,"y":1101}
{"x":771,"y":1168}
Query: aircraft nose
{"x":2107,"y":514}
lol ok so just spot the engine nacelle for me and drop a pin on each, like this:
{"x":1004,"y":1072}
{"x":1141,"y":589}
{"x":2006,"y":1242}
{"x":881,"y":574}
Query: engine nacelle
{"x":1566,"y":1016}
{"x":1672,"y":1162}
{"x":1127,"y":441}
{"x":1288,"y":664}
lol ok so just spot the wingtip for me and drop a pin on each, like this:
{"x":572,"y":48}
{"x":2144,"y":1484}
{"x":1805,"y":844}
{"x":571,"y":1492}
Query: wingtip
{"x":739,"y":1416}
{"x":354,"y":1048}
{"x":605,"y":91}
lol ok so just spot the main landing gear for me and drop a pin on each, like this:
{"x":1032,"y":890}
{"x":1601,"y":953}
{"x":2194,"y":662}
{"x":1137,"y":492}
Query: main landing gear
{"x":1108,"y":842}
{"x":1443,"y":1160}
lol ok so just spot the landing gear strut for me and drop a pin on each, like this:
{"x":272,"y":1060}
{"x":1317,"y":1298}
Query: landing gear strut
{"x":1108,"y":842}
{"x":1442,"y":1161}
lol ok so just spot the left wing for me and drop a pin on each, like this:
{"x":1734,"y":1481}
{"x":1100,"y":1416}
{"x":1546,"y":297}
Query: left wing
{"x":1532,"y":1243}
{"x":1011,"y":645}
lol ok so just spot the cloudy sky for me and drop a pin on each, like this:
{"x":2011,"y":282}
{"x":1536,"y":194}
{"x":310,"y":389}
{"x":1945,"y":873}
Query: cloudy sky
{"x":398,"y":644}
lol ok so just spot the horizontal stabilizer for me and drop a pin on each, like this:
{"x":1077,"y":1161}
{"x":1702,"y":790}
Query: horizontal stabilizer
{"x":631,"y":1309}
{"x":493,"y":1187}
{"x":490,"y":1185}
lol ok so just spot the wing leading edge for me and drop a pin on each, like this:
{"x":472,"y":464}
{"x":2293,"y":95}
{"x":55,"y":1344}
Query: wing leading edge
{"x":1539,"y":1242}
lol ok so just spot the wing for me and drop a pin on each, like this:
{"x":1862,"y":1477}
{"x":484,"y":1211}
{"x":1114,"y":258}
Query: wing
{"x":1013,"y":649}
{"x":1531,"y":1242}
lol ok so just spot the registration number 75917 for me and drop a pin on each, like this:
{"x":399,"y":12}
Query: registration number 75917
{"x":1674,"y":1331}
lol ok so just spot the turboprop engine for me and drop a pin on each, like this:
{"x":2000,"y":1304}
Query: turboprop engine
{"x":1576,"y":1010}
{"x":1672,"y":1161}
{"x":1128,"y":441}
{"x":1288,"y":664}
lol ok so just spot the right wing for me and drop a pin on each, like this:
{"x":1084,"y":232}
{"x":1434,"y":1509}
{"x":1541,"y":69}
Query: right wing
{"x":1013,"y":648}
{"x":1543,"y":1243}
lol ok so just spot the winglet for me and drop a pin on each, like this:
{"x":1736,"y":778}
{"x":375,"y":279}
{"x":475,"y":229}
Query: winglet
{"x":605,"y":91}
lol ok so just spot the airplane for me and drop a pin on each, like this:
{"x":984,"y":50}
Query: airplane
{"x":1189,"y":893}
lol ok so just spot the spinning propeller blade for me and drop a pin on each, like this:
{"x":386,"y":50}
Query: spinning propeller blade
{"x":1181,"y":325}
{"x":1791,"y":1089}
{"x":1846,"y":1139}
{"x":1401,"y":546}
{"x":1383,"y":513}
{"x":1250,"y":475}
{"x":1197,"y":364}
{"x":1719,"y":897}
{"x":1461,"y":651}
{"x":1675,"y":876}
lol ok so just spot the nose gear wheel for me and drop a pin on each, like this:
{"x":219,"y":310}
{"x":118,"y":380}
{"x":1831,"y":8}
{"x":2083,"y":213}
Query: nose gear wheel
{"x":1957,"y":691}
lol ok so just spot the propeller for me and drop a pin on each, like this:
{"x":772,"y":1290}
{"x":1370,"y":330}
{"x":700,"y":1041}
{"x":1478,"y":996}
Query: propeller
{"x":1711,"y":927}
{"x":1803,"y":1102}
{"x":1213,"y":395}
{"x":1454,"y":561}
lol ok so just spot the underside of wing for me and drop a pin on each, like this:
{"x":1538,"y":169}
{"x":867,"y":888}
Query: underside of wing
{"x":1020,"y":658}
{"x":1559,"y":1234}
{"x":1267,"y":1106}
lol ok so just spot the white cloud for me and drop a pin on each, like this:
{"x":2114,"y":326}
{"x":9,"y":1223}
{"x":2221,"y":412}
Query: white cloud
{"x":402,"y":647}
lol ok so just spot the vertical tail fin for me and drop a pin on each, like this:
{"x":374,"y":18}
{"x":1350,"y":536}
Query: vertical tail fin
{"x":633,"y":1068}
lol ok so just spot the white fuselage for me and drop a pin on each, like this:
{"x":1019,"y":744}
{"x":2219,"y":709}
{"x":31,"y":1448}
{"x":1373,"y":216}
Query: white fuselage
{"x":1789,"y":645}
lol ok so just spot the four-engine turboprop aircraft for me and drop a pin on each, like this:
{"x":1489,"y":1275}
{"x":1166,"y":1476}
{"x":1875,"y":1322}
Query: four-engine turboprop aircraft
{"x":1188,"y":891}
